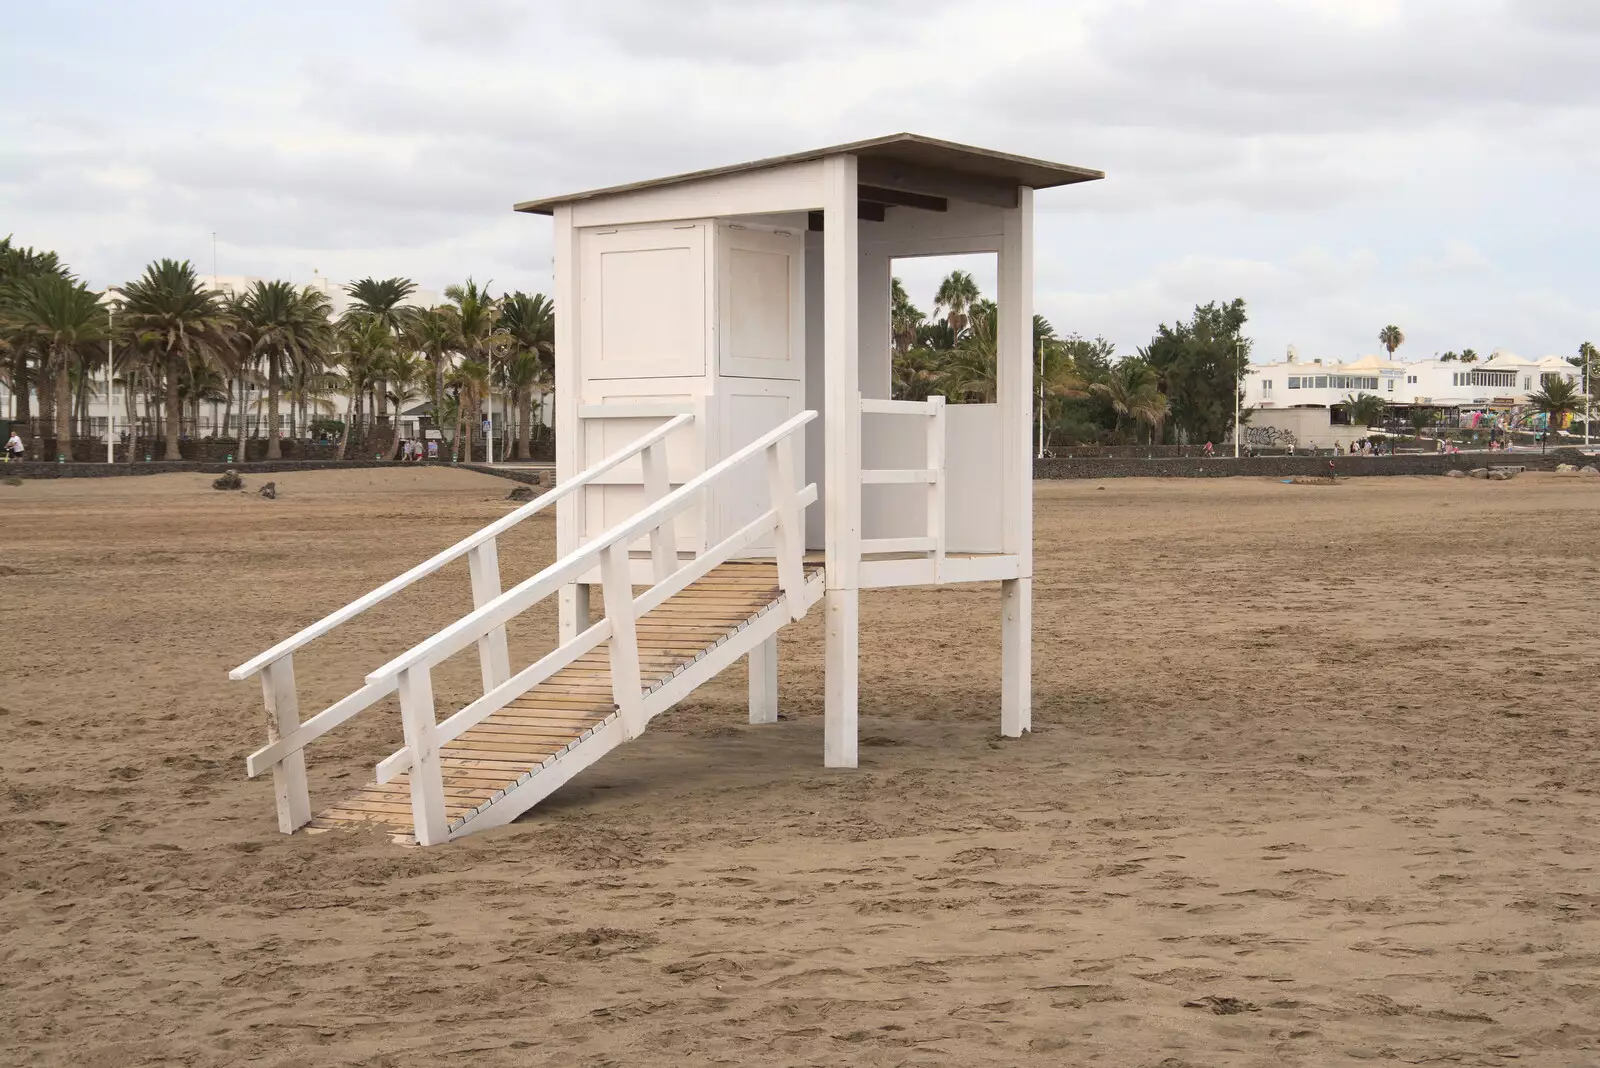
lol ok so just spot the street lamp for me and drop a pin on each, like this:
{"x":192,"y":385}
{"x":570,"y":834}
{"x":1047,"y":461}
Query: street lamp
{"x":111,"y":329}
{"x":1587,"y":351}
{"x":1238,"y":356}
{"x":1041,"y":398}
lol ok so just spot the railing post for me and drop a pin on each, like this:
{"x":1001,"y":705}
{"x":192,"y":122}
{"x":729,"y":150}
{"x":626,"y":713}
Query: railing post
{"x":788,"y":539}
{"x":936,"y":487}
{"x":283,"y":717}
{"x":494,"y":659}
{"x":426,"y":775}
{"x":626,"y":685}
{"x":663,"y":538}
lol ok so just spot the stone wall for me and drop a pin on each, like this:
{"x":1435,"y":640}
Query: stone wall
{"x":1289,"y":466}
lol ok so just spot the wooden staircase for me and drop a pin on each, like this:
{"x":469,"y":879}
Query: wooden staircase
{"x":492,"y":772}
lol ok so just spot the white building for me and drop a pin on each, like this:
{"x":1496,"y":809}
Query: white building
{"x":1501,"y":382}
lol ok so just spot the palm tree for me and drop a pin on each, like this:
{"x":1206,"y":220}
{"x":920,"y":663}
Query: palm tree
{"x":971,"y":371}
{"x":471,"y":381}
{"x":382,"y":299}
{"x":64,"y":317}
{"x":956,"y":294}
{"x":181,"y":321}
{"x":529,"y":320}
{"x":405,"y":373}
{"x":1364,"y":409}
{"x":1469,"y":356}
{"x":1419,"y":419}
{"x":435,"y":333}
{"x":1559,"y":397}
{"x":1391,"y":338}
{"x":365,"y":347}
{"x":19,"y":355}
{"x":289,"y":327}
{"x":480,"y":334}
{"x":1132,"y":392}
{"x":904,"y":318}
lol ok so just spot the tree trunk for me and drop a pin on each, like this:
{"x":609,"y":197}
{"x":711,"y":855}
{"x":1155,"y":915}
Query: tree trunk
{"x":130,"y":402}
{"x":525,"y":426}
{"x":344,"y":435}
{"x":274,"y":446}
{"x":21,"y":382}
{"x":174,"y":410}
{"x":63,"y":407}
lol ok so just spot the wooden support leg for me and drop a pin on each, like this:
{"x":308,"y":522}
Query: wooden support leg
{"x":418,"y":721}
{"x":841,"y":658}
{"x":763,"y":661}
{"x":494,"y":660}
{"x":572,"y":611}
{"x":1016,"y":657}
{"x":283,"y":717}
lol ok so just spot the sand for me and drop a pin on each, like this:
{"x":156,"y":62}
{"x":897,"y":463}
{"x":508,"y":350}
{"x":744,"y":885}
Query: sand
{"x":1313,"y":780}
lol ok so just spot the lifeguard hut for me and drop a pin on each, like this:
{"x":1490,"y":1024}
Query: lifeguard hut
{"x":726,"y":442}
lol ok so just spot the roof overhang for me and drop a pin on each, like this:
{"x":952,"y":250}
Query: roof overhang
{"x":905,"y":162}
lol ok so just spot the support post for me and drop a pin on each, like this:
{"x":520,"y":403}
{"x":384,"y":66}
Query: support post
{"x":1016,"y":657}
{"x":664,"y":538}
{"x":417,"y":719}
{"x":763,"y":662}
{"x":841,"y":666}
{"x":1014,"y":371}
{"x":789,"y":536}
{"x":841,"y":256}
{"x":573,"y":613}
{"x":617,"y":589}
{"x":283,"y":717}
{"x":936,"y":488}
{"x":572,"y":602}
{"x":494,"y":659}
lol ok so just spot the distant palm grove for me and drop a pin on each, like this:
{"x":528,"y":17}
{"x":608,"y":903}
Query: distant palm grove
{"x":177,"y":344}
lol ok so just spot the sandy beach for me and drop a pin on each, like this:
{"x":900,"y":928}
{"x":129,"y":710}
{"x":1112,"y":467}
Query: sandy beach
{"x":1314,"y":780}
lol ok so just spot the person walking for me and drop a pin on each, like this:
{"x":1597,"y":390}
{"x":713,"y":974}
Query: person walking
{"x":14,"y":447}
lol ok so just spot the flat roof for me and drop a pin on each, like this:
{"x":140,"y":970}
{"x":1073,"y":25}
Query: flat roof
{"x":901,"y":148}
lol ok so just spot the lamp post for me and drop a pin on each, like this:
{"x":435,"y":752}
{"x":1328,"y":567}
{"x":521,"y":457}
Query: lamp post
{"x":1041,"y":398}
{"x":111,"y":329}
{"x":1238,"y":355}
{"x":1588,"y":398}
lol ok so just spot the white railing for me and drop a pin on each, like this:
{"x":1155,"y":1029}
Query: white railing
{"x":931,"y":475}
{"x":411,"y":671}
{"x":287,"y":736}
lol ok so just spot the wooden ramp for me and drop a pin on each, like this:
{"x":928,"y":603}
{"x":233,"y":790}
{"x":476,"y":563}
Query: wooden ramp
{"x":565,"y":723}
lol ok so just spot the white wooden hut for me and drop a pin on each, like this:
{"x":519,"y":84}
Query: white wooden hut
{"x":722,"y":362}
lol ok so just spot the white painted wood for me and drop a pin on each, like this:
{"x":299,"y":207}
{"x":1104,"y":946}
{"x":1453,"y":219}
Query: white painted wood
{"x":841,"y":664}
{"x":747,"y":408}
{"x":760,"y":290}
{"x":427,"y":780}
{"x":283,"y":720}
{"x":875,"y":276}
{"x":461,"y":548}
{"x":636,"y":409}
{"x":789,"y":187}
{"x":936,"y":489}
{"x":643,"y":307}
{"x":763,"y":663}
{"x":879,"y":406}
{"x":841,"y":359}
{"x":1014,"y":387}
{"x":624,"y":646}
{"x":788,"y":531}
{"x":973,"y":493}
{"x":475,"y":713}
{"x":893,"y":476}
{"x":992,"y":568}
{"x":924,"y":544}
{"x":464,"y":631}
{"x":494,"y":660}
{"x":1016,"y":657}
{"x":911,"y":571}
{"x":569,"y":441}
{"x":664,"y":537}
{"x":315,"y":727}
{"x":554,"y":775}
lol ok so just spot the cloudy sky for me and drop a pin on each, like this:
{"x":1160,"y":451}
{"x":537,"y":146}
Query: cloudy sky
{"x":1340,"y":164}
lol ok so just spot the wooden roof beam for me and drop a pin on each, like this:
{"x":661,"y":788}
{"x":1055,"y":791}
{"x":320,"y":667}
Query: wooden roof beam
{"x":878,"y":194}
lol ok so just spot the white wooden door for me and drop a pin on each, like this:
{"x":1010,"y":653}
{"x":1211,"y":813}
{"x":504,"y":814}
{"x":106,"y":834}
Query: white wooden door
{"x":642,"y":302}
{"x":760,"y":303}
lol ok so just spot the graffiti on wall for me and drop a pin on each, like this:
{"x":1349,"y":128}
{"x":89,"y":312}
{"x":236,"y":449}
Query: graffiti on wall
{"x":1268,"y":437}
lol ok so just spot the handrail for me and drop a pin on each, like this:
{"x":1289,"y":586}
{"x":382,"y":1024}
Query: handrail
{"x":519,"y":598}
{"x":456,"y":551}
